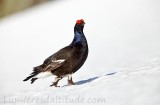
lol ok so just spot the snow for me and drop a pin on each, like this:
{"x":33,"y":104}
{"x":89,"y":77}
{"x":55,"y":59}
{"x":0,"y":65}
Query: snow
{"x":123,"y":66}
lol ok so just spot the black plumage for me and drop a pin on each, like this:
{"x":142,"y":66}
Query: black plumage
{"x":67,"y":60}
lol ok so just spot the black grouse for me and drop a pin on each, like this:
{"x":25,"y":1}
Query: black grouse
{"x":66,"y":61}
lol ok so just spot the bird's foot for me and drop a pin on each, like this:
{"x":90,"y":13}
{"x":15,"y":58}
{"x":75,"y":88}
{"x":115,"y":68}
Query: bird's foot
{"x":54,"y":84}
{"x":56,"y":81}
{"x":70,"y":82}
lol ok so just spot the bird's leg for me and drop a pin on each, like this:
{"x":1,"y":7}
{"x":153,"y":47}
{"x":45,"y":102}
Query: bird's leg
{"x":70,"y":82}
{"x":56,"y":81}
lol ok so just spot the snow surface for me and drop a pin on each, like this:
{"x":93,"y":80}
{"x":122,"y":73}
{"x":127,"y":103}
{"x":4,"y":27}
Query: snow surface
{"x":123,"y":67}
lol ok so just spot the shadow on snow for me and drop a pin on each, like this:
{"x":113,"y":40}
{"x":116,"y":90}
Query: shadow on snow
{"x":91,"y":79}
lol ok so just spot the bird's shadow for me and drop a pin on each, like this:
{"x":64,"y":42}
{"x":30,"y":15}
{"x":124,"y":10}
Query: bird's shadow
{"x":91,"y":79}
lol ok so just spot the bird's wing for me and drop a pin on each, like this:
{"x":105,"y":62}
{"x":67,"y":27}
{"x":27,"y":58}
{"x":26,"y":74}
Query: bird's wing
{"x":56,"y":60}
{"x":61,"y":54}
{"x":53,"y":65}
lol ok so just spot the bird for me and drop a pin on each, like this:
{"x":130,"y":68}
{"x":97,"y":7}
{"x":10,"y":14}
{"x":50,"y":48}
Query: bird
{"x":66,"y":61}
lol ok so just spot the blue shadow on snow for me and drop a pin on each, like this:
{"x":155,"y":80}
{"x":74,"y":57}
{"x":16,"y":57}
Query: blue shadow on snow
{"x":91,"y":79}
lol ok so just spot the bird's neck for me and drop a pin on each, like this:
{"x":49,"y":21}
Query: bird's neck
{"x":79,"y":37}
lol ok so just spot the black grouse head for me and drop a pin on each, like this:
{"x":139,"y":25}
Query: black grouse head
{"x":79,"y":24}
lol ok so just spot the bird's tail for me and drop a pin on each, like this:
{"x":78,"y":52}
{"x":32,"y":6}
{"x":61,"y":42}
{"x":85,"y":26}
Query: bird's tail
{"x":35,"y":72}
